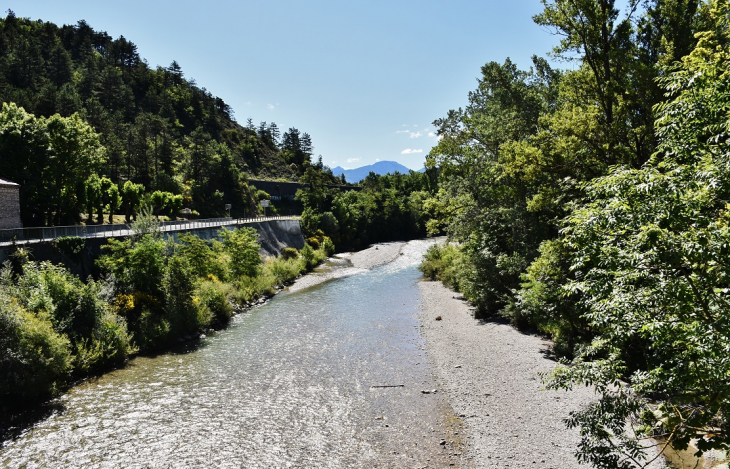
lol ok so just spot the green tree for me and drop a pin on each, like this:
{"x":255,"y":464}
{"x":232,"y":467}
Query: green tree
{"x":131,"y":199}
{"x":241,"y":246}
{"x":36,"y":360}
{"x":649,"y":251}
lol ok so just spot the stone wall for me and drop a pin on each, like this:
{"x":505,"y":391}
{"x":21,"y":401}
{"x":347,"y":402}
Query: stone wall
{"x":9,"y":205}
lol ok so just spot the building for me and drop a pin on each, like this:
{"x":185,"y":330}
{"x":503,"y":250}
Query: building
{"x":9,"y":205}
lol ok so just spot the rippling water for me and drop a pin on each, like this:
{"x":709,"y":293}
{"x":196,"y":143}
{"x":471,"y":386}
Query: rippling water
{"x":288,"y":384}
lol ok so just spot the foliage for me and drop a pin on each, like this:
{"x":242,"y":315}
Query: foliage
{"x":202,"y":257}
{"x":178,"y":284}
{"x":649,"y":251}
{"x":289,"y":253}
{"x":36,"y":360}
{"x":70,"y":246}
{"x":212,"y":299}
{"x":314,"y":242}
{"x":591,"y":205}
{"x":80,"y":103}
{"x":241,"y":246}
{"x":442,"y":262}
{"x":389,"y":207}
{"x":51,"y":158}
{"x":99,"y":339}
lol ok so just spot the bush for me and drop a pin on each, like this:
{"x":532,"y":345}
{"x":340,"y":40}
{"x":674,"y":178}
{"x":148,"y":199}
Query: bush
{"x":202,"y":258}
{"x":70,"y":246}
{"x":109,"y":345}
{"x":289,"y":253}
{"x":445,"y":264}
{"x":314,"y":242}
{"x":211,"y":299}
{"x":35,"y":360}
{"x":308,"y":255}
{"x":282,"y":270}
{"x":98,"y":338}
{"x":242,"y":247}
{"x":328,"y":246}
{"x":178,"y":286}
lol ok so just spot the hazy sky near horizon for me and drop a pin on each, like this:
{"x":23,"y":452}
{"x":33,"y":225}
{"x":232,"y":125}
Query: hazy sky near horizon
{"x":364,"y":79}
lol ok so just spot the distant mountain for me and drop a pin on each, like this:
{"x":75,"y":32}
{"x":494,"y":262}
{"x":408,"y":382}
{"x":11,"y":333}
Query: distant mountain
{"x":381,"y":167}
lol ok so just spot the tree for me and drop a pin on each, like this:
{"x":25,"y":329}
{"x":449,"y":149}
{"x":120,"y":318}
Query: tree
{"x":131,"y":199}
{"x":649,"y":248}
{"x":115,"y":201}
{"x":605,"y":44}
{"x":51,"y":159}
{"x":241,"y":246}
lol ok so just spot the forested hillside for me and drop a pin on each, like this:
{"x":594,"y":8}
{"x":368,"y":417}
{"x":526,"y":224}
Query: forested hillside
{"x":591,"y":204}
{"x":81,"y":102}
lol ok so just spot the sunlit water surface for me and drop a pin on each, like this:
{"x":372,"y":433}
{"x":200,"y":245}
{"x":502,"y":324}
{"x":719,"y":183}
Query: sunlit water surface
{"x":293,"y":383}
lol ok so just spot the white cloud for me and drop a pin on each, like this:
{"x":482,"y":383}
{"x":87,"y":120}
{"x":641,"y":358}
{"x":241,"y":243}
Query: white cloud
{"x":431,"y":134}
{"x":377,"y":159}
{"x":410,"y":151}
{"x":247,"y":103}
{"x":353,"y":160}
{"x":270,"y":106}
{"x":410,"y":133}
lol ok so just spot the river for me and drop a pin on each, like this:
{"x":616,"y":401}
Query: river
{"x":332,"y":375}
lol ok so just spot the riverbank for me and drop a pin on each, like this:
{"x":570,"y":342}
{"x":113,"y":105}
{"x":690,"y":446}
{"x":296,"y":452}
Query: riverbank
{"x":490,"y":371}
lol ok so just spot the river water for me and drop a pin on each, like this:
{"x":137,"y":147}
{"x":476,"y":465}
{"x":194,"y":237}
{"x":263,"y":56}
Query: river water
{"x":326,"y":376}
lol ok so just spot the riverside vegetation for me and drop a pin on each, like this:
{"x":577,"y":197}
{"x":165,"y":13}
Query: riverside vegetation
{"x":55,"y":329}
{"x":591,"y":205}
{"x":88,"y":127}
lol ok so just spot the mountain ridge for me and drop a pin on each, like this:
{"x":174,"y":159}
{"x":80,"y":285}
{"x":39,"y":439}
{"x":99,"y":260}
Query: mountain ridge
{"x":356,"y":175}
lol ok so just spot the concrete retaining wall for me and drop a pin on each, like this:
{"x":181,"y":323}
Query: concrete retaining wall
{"x":274,"y":236}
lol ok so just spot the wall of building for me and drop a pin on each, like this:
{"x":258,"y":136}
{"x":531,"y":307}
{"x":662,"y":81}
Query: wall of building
{"x":10,"y":206}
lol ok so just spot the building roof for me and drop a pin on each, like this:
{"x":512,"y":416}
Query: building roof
{"x":6,"y":183}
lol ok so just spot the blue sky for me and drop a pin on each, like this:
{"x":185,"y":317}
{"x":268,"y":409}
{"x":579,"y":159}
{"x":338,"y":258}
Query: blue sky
{"x":364,"y":79}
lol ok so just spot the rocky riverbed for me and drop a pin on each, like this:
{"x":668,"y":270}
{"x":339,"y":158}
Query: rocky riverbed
{"x":490,"y":373}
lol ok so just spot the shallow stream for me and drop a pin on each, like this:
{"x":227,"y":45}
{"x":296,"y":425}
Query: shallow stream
{"x":331,"y":375}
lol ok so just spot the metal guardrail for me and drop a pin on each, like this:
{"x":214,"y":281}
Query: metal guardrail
{"x":48,"y":233}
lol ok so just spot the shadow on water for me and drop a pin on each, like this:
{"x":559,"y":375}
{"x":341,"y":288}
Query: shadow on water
{"x":14,"y":423}
{"x":17,"y":418}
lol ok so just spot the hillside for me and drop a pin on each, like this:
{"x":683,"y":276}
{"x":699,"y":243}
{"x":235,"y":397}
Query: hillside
{"x":380,"y":168}
{"x":156,"y":127}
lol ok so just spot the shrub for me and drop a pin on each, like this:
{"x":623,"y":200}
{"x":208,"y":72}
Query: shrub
{"x":282,"y":270}
{"x":212,"y":302}
{"x":328,"y":246}
{"x":444,"y":263}
{"x":242,"y":247}
{"x":70,"y":246}
{"x":35,"y":359}
{"x":289,"y":253}
{"x":201,"y":257}
{"x":308,"y":255}
{"x":314,"y":242}
{"x":98,"y":337}
{"x":178,"y":286}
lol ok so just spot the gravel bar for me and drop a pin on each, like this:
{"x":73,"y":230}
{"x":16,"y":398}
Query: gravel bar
{"x":489,"y":370}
